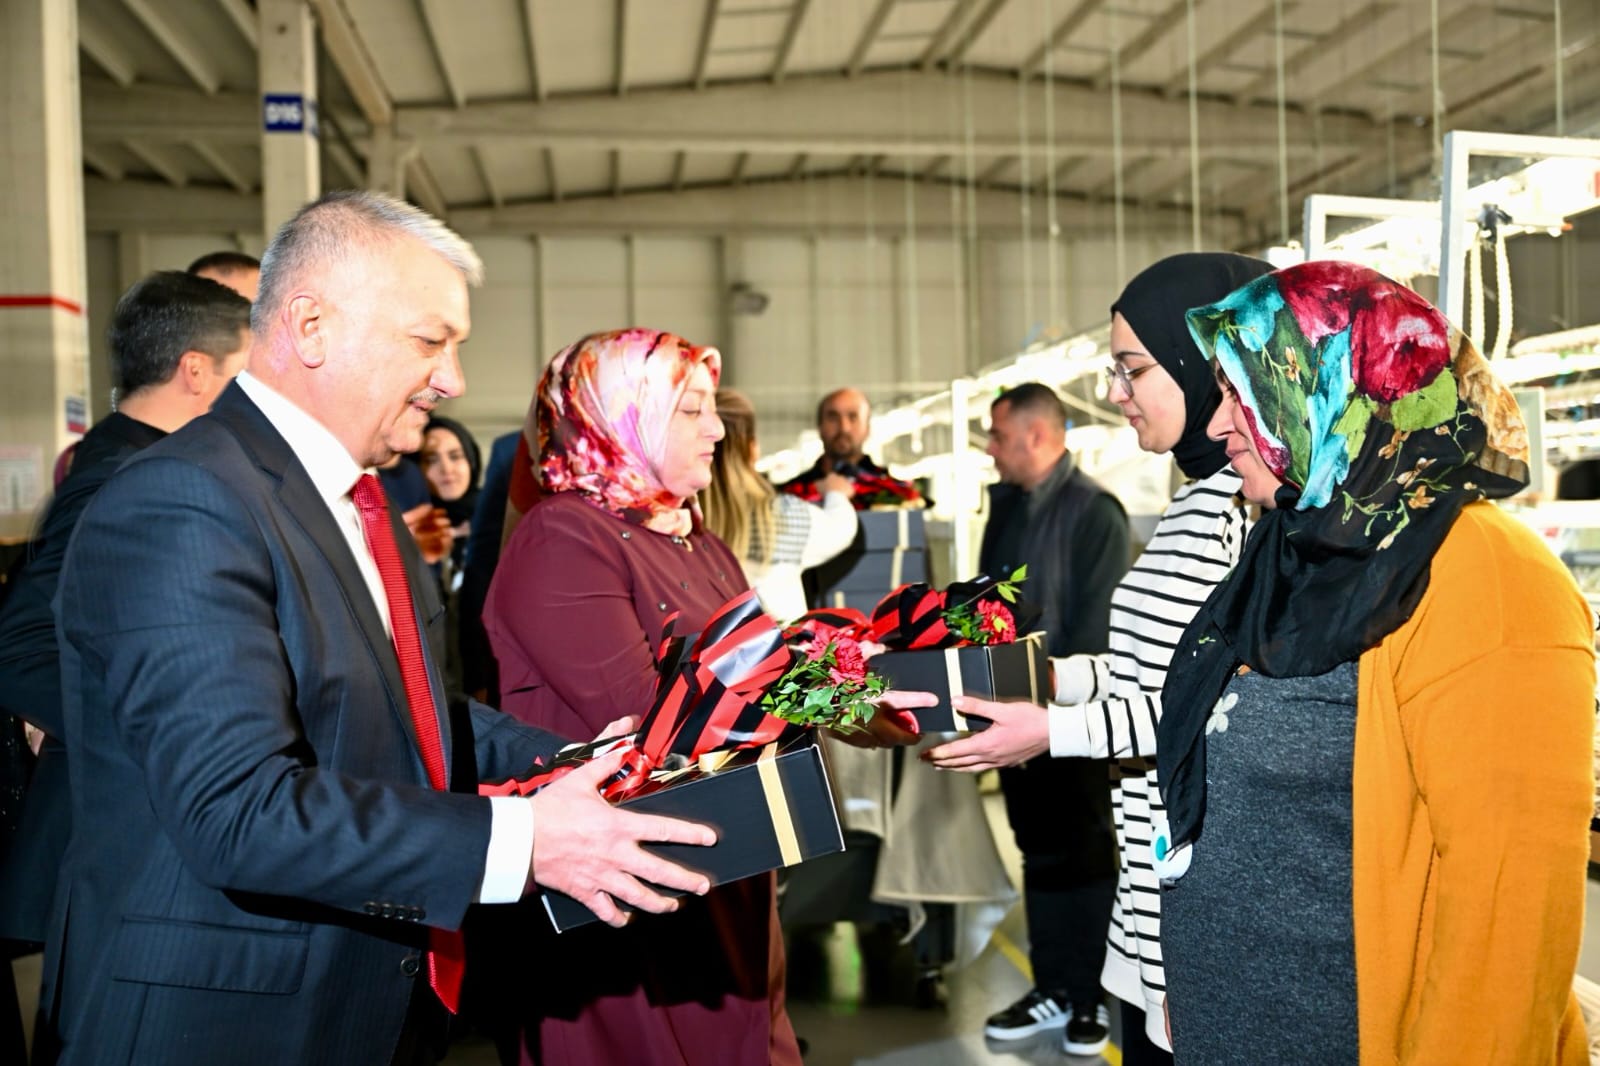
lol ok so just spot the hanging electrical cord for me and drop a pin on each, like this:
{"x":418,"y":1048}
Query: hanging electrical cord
{"x":1052,"y":225}
{"x":1283,"y":130}
{"x":1438,"y":93}
{"x":1116,"y":151}
{"x":1194,"y":136}
{"x":913,"y":363}
{"x":1025,"y":206}
{"x":958,"y":259}
{"x":1561,"y":102}
{"x":974,"y":320}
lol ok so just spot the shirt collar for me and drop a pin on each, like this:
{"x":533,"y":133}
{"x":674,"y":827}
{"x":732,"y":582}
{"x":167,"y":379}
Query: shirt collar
{"x":330,"y":466}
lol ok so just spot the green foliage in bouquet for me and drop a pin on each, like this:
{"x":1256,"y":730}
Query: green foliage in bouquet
{"x":828,"y":687}
{"x":982,"y":618}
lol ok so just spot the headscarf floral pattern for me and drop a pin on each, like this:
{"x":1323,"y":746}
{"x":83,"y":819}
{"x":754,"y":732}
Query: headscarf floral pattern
{"x":599,"y":421}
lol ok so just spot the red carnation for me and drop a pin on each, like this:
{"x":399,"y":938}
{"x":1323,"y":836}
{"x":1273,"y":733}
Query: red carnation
{"x":849,"y":663}
{"x":995,"y":620}
{"x":814,"y":649}
{"x":1398,"y":342}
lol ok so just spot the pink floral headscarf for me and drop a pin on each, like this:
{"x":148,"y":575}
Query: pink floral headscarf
{"x":598,"y":423}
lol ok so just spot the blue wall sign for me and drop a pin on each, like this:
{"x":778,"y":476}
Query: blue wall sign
{"x":288,"y":113}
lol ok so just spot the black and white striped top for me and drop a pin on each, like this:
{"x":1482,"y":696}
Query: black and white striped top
{"x":1107,"y":706}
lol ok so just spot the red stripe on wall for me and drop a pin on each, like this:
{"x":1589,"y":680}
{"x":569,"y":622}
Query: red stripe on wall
{"x":42,"y":301}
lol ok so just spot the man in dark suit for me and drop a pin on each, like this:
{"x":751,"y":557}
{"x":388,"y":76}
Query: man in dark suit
{"x":175,"y":341}
{"x":277,"y":827}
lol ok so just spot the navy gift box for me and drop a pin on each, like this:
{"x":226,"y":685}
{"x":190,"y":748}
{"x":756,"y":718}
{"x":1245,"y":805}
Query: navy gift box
{"x":1016,"y":671}
{"x":771,"y":807}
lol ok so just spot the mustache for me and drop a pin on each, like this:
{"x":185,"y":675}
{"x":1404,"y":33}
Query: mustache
{"x":427,"y":396}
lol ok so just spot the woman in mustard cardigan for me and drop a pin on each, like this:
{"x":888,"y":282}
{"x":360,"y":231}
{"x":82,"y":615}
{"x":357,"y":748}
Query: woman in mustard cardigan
{"x":1383,"y":719}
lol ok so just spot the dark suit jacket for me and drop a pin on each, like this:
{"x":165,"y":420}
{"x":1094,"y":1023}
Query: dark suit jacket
{"x":257,"y":850}
{"x":30,"y":677}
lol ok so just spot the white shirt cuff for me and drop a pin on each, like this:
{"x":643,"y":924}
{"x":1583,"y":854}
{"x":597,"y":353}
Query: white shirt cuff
{"x":505,"y":871}
{"x":1074,"y":678}
{"x":1069,"y":730}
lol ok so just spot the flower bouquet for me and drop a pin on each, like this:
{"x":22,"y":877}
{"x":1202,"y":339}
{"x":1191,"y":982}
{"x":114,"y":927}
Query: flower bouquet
{"x":952,"y":642}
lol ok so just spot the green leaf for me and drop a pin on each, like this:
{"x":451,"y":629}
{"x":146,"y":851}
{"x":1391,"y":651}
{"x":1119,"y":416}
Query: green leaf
{"x":1356,"y":416}
{"x":1007,"y":595}
{"x":1428,"y":406}
{"x":1019,"y":574}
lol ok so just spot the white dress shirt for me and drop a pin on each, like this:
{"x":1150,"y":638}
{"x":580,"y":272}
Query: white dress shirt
{"x":334,"y":474}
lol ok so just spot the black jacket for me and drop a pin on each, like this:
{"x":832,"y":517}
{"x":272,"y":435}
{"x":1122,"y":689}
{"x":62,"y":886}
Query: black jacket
{"x":30,"y":678}
{"x":1073,"y":535}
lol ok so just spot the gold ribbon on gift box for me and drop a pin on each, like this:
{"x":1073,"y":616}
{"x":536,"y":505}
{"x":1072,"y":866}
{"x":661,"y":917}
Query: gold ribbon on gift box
{"x":952,"y":671}
{"x":772,"y":790}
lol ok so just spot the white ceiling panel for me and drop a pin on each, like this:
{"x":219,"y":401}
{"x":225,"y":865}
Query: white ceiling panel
{"x":583,"y":172}
{"x":647,"y":170}
{"x":397,"y":41}
{"x":663,"y":41}
{"x":457,"y":175}
{"x":518,"y":170}
{"x":484,"y":45}
{"x":577,"y":44}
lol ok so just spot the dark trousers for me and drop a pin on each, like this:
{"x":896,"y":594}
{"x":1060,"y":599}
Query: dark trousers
{"x":1137,"y":1047}
{"x":1060,"y":813}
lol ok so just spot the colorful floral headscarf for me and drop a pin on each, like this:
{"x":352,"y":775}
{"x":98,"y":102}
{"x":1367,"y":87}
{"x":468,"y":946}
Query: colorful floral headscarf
{"x":598,"y":424}
{"x":1382,"y":421}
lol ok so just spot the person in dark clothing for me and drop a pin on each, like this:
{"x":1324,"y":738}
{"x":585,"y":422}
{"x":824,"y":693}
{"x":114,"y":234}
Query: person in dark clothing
{"x":453,"y":466}
{"x":479,"y":675}
{"x":1072,"y":534}
{"x":175,"y":341}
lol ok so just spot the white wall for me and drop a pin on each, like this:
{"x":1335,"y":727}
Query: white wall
{"x":842,"y":309}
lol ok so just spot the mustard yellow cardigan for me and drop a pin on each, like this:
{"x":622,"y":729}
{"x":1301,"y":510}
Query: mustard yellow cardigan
{"x":1472,"y":793}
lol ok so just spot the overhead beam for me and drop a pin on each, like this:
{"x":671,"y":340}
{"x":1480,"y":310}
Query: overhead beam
{"x":798,"y":167}
{"x":101,"y":163}
{"x":160,"y":113}
{"x":177,"y":44}
{"x":1231,"y":43}
{"x":231,"y":173}
{"x":112,"y":207}
{"x":550,"y":175}
{"x":995,"y":169}
{"x":1160,"y":25}
{"x":938,"y":163}
{"x":531,"y":42}
{"x":941,"y":36}
{"x":975,"y":30}
{"x":616,"y":173}
{"x":1407,"y":52}
{"x":869,"y":33}
{"x":107,"y":52}
{"x":1361,"y":20}
{"x":791,"y":32}
{"x":739,"y":163}
{"x":243,"y":17}
{"x":160,"y":160}
{"x":865,"y":115}
{"x":353,"y":60}
{"x":430,"y":22}
{"x":486,"y":176}
{"x":424,"y":188}
{"x":619,"y":49}
{"x":678,"y":163}
{"x":703,"y":55}
{"x":1062,"y":33}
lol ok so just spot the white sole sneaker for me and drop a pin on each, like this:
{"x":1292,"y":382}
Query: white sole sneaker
{"x":1044,"y":1020}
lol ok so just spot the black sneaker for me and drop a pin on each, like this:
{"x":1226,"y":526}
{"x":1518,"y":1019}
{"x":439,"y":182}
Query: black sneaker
{"x":1033,"y":1013}
{"x":1088,"y":1032}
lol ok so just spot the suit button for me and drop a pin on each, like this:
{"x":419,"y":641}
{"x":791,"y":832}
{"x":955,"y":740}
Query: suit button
{"x":410,"y":965}
{"x":371,"y":908}
{"x":387,"y":910}
{"x":417,"y":914}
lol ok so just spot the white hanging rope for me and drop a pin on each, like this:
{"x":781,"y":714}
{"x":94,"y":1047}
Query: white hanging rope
{"x":974,"y":321}
{"x":1283,"y":131}
{"x":1194,"y":137}
{"x":1025,"y":207}
{"x":1475,"y":291}
{"x":1561,"y":103}
{"x":1438,"y":93}
{"x":1116,"y":151}
{"x":1052,"y":225}
{"x":913,"y":323}
{"x":1503,"y":312}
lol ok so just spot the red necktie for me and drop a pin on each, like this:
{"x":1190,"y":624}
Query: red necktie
{"x":446,"y":954}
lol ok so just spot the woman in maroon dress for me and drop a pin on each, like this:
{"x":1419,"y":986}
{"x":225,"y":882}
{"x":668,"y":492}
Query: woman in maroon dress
{"x":624,"y":426}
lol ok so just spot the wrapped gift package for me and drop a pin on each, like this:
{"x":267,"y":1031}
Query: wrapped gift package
{"x":1016,"y":671}
{"x":770,"y":806}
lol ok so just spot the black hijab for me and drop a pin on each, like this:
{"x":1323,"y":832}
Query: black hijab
{"x":460,"y":509}
{"x":1153,"y":304}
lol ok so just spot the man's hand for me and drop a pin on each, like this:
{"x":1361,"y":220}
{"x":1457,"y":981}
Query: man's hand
{"x":587,"y":848}
{"x":1020,"y":731}
{"x":891,"y":725}
{"x":831,"y":482}
{"x":628,"y":723}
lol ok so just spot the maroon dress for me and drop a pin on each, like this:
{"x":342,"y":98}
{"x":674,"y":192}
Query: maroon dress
{"x":574,"y":614}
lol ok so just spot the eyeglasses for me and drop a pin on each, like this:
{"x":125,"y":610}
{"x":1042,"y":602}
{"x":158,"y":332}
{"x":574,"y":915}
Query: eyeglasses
{"x":1121,"y":377}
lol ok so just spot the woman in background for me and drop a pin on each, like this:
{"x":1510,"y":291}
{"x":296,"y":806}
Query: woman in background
{"x":450,"y":460}
{"x":1383,"y":718}
{"x":774,"y":537}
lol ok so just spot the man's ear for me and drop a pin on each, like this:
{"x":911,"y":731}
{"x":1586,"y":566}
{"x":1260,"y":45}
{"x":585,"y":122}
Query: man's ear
{"x":194,"y":371}
{"x":303,"y":314}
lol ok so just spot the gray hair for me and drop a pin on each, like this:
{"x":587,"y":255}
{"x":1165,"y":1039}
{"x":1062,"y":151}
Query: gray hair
{"x":323,"y":230}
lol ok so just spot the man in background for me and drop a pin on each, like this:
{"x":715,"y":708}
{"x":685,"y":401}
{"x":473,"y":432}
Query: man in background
{"x":1072,"y":535}
{"x":176,"y":340}
{"x":239,"y":272}
{"x":844,"y":422}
